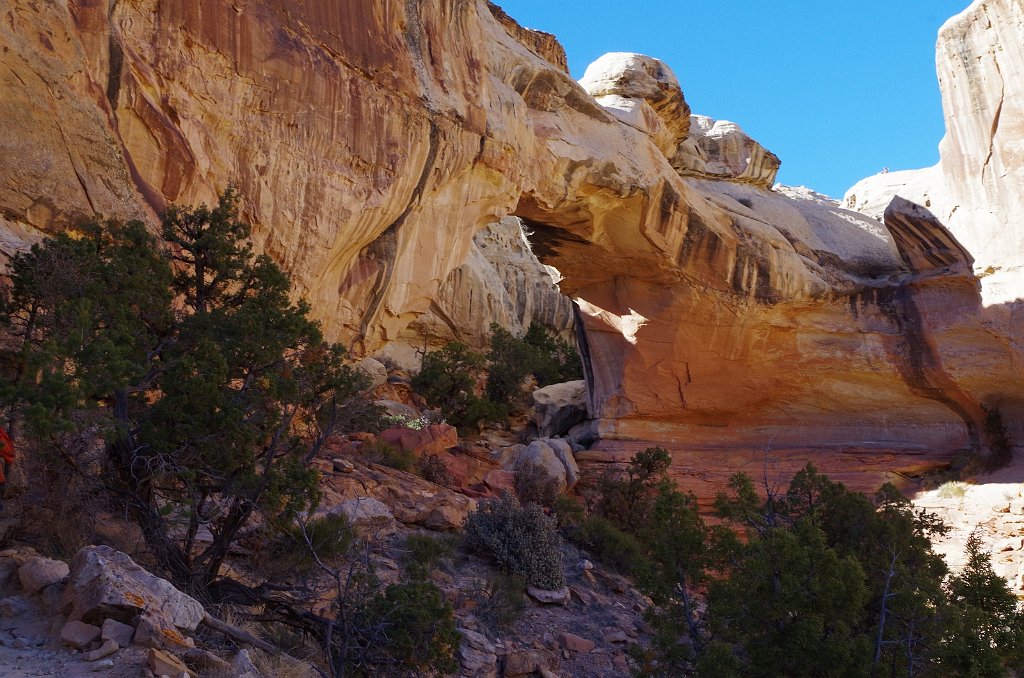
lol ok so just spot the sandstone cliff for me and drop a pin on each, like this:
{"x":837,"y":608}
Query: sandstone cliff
{"x":977,"y":186}
{"x":372,"y":141}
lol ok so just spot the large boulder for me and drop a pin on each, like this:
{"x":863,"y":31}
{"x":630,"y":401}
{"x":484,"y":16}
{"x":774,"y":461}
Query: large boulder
{"x":551,"y":457}
{"x":367,"y":515}
{"x":559,"y":407}
{"x":107,"y":584}
{"x":411,"y":499}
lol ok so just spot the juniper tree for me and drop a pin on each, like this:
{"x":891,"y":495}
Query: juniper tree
{"x":213,"y":390}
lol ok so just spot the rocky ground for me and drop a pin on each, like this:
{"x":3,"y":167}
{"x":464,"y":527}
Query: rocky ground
{"x":992,"y":504}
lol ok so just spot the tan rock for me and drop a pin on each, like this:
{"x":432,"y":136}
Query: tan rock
{"x":719,"y":318}
{"x":559,"y":407}
{"x":79,"y":635}
{"x":164,"y":664}
{"x":574,"y":643}
{"x":367,"y":516}
{"x":108,"y":648}
{"x":105,"y":583}
{"x":117,"y":632}
{"x":38,"y":572}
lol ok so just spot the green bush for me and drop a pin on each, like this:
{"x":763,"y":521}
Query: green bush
{"x":512,"y":359}
{"x":501,"y":601}
{"x":432,"y":469}
{"x":447,"y":379}
{"x":610,"y":545}
{"x":409,"y":627}
{"x":522,"y":539}
{"x":423,"y":553}
{"x":324,"y":537}
{"x":557,"y":360}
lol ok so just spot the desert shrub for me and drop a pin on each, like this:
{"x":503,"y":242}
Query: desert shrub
{"x":380,"y":452}
{"x":610,"y":545}
{"x":510,"y":360}
{"x":522,"y":539}
{"x":432,"y":469}
{"x":501,"y":601}
{"x":534,"y":486}
{"x":557,"y":360}
{"x":406,"y":629}
{"x":325,"y":537}
{"x":952,"y":490}
{"x":423,"y":553}
{"x":569,"y":512}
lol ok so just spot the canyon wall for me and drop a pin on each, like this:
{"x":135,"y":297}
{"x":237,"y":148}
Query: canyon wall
{"x":373,"y":141}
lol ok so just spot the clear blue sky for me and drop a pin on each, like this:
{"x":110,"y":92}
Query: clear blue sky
{"x":838,"y":90}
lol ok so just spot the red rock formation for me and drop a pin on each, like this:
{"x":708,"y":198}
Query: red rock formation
{"x":372,"y":140}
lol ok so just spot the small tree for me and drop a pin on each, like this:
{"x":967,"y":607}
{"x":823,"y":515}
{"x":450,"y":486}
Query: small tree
{"x":212,"y":389}
{"x":448,"y":378}
{"x":984,"y":630}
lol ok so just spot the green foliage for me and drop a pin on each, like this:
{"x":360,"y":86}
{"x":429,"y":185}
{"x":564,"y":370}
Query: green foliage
{"x":985,"y":631}
{"x":557,"y":360}
{"x":511,"y":360}
{"x":610,"y":545}
{"x":501,"y":601}
{"x":815,"y":581}
{"x":522,"y":539}
{"x":423,"y":553}
{"x":447,"y":379}
{"x":303,"y":543}
{"x":432,"y":469}
{"x":212,"y":389}
{"x":628,"y":498}
{"x":408,"y":629}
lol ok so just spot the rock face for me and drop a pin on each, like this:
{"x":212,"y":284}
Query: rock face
{"x":501,"y":282}
{"x":372,"y":141}
{"x":977,"y":186}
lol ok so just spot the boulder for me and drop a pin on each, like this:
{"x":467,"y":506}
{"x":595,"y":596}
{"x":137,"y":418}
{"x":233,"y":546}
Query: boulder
{"x":117,"y":632}
{"x":105,"y":583}
{"x":37,"y":573}
{"x":553,"y":458}
{"x":557,"y":597}
{"x":108,"y":648}
{"x":79,"y":635}
{"x":367,"y":515}
{"x":559,"y":407}
{"x":164,"y":664}
{"x":499,"y":481}
{"x":574,"y":643}
{"x":375,"y":371}
{"x":563,"y":451}
{"x":476,"y":653}
{"x":411,"y":499}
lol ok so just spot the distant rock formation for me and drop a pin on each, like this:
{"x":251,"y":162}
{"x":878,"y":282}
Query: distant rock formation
{"x":978,"y":185}
{"x":373,"y":142}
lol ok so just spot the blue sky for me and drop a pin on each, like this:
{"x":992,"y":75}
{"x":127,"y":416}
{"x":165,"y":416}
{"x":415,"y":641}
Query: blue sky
{"x":838,"y":90}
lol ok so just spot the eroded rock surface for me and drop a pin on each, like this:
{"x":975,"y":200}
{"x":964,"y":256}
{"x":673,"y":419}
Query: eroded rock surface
{"x":372,"y":141}
{"x":977,"y":186}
